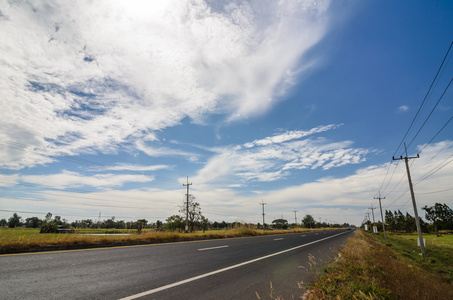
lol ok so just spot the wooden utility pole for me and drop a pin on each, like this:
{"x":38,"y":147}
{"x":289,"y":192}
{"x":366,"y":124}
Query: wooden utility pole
{"x":187,"y":204}
{"x":382,"y":216}
{"x":414,"y":204}
{"x":262,"y":204}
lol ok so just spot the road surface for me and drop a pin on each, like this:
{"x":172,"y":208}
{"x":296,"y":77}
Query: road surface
{"x":215,"y":269}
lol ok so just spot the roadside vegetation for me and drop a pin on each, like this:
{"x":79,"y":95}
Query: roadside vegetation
{"x":55,"y":233}
{"x":15,"y":240}
{"x":369,"y":267}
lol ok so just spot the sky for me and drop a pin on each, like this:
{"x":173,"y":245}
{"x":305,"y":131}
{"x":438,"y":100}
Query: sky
{"x":107,"y":108}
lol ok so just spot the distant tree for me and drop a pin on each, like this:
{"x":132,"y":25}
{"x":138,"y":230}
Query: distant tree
{"x":48,"y":217}
{"x":141,"y":223}
{"x":390,"y":220}
{"x":204,"y":222}
{"x":57,"y":220}
{"x":308,"y":221}
{"x":14,"y":221}
{"x":33,"y":222}
{"x":110,"y":223}
{"x":3,"y":222}
{"x":280,"y":224}
{"x":194,"y":213}
{"x":159,"y":225}
{"x":175,"y":222}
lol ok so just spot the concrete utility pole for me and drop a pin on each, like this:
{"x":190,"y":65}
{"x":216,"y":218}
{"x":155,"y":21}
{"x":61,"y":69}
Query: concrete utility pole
{"x":414,"y":204}
{"x":372,"y":213}
{"x":295,"y":216}
{"x":382,"y":216}
{"x":262,"y":204}
{"x":187,"y":204}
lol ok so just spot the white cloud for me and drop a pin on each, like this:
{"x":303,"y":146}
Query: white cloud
{"x":87,"y":76}
{"x":68,"y":179}
{"x":129,"y":167}
{"x":340,"y":199}
{"x":403,"y":108}
{"x":273,"y":158}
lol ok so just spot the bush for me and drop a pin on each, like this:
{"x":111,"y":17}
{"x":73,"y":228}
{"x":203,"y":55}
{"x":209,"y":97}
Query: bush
{"x":50,"y":227}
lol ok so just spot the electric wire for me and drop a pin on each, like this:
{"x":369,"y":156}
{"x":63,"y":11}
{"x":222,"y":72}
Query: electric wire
{"x":427,"y":118}
{"x":424,"y":99}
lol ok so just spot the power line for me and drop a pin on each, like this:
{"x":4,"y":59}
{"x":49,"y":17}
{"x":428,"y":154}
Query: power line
{"x":427,"y":118}
{"x":424,"y":99}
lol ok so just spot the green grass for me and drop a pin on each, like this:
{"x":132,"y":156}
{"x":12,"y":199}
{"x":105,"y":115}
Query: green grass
{"x":439,"y":252}
{"x":370,"y":268}
{"x":14,"y":240}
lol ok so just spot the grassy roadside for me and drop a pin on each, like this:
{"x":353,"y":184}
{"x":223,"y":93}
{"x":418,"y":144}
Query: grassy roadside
{"x":368,"y":268}
{"x":16,"y":240}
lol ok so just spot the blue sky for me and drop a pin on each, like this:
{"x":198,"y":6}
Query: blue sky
{"x":109,"y":106}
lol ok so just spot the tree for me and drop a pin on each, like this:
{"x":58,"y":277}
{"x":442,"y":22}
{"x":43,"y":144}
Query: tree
{"x":280,"y":224}
{"x":33,"y":222}
{"x":158,"y":225}
{"x":48,"y":217}
{"x":194,"y":213}
{"x":140,"y":224}
{"x":440,"y":215}
{"x":3,"y":222}
{"x":308,"y":221}
{"x":14,"y":221}
{"x":175,"y":222}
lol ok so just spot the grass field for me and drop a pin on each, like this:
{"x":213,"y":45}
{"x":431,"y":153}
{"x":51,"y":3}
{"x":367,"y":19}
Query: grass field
{"x":14,"y":240}
{"x":439,"y":252}
{"x":369,"y":267}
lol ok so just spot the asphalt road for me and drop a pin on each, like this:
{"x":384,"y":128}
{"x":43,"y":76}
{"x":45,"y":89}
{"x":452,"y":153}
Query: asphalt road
{"x":216,"y":269}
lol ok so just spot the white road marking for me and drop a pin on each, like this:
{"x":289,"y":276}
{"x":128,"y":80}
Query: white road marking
{"x":172,"y":285}
{"x":203,"y":249}
{"x":278,"y":239}
{"x":303,"y":235}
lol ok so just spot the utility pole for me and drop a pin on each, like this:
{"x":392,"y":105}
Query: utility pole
{"x":295,"y":217}
{"x":372,"y":212}
{"x":187,"y":204}
{"x":414,"y":204}
{"x":262,"y":204}
{"x":382,"y":216}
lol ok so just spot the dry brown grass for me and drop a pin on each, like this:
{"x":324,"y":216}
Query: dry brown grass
{"x":368,"y":269}
{"x":23,"y":240}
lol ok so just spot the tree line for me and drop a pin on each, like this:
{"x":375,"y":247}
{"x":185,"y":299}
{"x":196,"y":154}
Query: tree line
{"x":190,"y":210}
{"x":439,"y":217}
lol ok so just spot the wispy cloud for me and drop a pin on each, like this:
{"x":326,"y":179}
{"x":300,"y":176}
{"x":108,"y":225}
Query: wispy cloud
{"x":273,"y":158}
{"x":90,"y":76}
{"x":129,"y":167}
{"x":68,"y":179}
